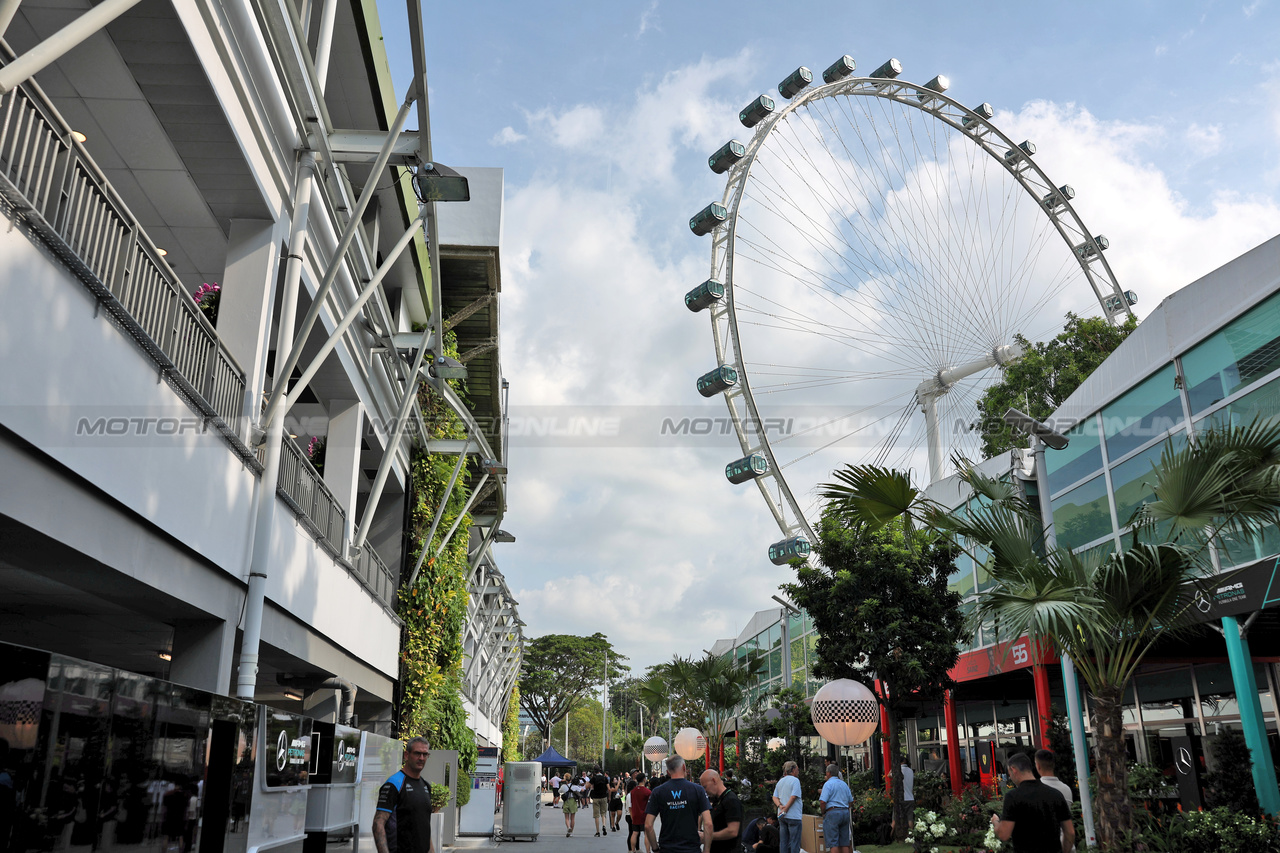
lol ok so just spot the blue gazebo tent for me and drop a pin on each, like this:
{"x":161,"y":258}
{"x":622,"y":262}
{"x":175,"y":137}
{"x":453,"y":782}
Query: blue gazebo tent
{"x":551,"y":758}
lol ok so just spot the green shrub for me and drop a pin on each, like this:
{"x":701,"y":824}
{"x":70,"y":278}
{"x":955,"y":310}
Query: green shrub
{"x":1217,"y":831}
{"x":930,"y":790}
{"x":439,"y":796}
{"x":1231,"y":785}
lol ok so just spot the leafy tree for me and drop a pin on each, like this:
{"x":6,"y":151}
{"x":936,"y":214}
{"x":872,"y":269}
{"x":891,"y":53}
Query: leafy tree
{"x":761,"y":766}
{"x":1045,"y":376}
{"x":1108,"y":613}
{"x":1231,"y":784}
{"x":558,"y":670}
{"x":879,"y":599}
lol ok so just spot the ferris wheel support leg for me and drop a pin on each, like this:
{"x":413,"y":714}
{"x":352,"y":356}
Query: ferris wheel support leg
{"x":929,"y":405}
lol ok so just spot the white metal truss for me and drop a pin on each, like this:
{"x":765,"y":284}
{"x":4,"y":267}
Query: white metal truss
{"x":748,"y":425}
{"x":493,"y":639}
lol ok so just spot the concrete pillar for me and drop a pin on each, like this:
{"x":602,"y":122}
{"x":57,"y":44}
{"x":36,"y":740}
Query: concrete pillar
{"x":1251,"y":719}
{"x":248,"y":295}
{"x":202,"y":654}
{"x":342,"y":456}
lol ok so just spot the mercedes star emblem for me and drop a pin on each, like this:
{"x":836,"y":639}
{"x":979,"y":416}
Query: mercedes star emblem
{"x":1183,"y":761}
{"x":282,"y":752}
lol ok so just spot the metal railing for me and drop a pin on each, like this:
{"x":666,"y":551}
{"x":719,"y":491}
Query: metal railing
{"x":54,"y":185}
{"x":303,"y":488}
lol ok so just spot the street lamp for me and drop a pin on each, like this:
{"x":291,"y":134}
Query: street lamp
{"x":1041,"y":435}
{"x":437,"y":182}
{"x":788,"y":610}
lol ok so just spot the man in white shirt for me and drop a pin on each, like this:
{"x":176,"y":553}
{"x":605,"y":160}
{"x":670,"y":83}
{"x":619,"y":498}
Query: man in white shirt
{"x":1046,"y":766}
{"x":908,"y":793}
{"x":786,"y":797}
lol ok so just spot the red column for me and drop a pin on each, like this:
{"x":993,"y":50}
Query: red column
{"x":884,"y":742}
{"x":953,"y":743}
{"x":722,"y":756}
{"x":1041,"y":678}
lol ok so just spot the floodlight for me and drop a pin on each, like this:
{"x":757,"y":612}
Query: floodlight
{"x":503,"y":536}
{"x":1027,"y":425}
{"x":445,"y":367}
{"x":437,"y":182}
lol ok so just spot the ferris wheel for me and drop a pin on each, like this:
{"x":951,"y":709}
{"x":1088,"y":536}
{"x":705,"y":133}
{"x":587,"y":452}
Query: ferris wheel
{"x":877,"y":249}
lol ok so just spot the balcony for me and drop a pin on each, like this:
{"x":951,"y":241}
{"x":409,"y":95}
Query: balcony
{"x":51,"y":182}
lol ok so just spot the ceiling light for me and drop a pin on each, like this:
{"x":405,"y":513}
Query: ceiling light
{"x":162,"y":252}
{"x":288,"y":694}
{"x":164,"y":656}
{"x":79,"y":137}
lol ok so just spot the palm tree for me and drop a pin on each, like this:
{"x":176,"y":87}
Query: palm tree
{"x":706,"y":690}
{"x":1108,"y":612}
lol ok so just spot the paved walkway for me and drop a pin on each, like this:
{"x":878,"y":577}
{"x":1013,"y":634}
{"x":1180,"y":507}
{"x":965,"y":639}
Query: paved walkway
{"x":551,"y":835}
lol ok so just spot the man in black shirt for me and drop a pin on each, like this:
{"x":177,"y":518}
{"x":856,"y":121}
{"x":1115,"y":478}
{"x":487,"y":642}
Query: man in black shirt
{"x":1033,"y":813}
{"x":726,"y":813}
{"x":684,"y":809}
{"x":600,"y":799}
{"x":402,"y":822}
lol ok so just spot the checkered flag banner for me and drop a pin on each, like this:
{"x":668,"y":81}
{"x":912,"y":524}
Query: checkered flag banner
{"x":846,"y":711}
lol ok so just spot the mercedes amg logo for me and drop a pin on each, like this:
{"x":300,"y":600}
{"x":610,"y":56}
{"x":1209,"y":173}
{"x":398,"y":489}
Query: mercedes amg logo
{"x":282,"y":752}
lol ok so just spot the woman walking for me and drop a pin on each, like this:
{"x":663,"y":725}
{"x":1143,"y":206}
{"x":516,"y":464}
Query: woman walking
{"x":615,"y":804}
{"x":570,"y":803}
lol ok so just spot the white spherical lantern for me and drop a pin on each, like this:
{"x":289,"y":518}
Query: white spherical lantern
{"x":655,"y":748}
{"x":845,"y":712}
{"x":690,"y":744}
{"x":775,"y":743}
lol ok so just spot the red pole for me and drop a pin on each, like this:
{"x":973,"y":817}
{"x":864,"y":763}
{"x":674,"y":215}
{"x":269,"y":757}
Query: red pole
{"x":953,"y":742}
{"x":722,"y":756}
{"x":1040,"y":677}
{"x":884,"y":742}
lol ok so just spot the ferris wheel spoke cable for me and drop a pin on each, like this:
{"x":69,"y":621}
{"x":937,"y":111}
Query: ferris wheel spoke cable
{"x":841,"y":438}
{"x":837,"y":419}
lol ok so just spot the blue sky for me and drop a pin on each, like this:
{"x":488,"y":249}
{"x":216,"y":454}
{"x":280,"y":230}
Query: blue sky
{"x":1165,"y":116}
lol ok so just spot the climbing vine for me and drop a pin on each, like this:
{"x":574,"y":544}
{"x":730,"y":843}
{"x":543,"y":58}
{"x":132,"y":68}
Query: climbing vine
{"x":511,"y":727}
{"x":434,"y":609}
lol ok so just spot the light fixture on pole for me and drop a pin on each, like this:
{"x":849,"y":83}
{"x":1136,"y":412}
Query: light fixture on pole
{"x":845,"y":712}
{"x":445,"y":367}
{"x":1041,"y":435}
{"x":690,"y":744}
{"x":655,"y":748}
{"x":504,"y":536}
{"x":437,"y":182}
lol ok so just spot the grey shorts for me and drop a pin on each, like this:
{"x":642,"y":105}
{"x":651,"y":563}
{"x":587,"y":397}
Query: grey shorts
{"x":837,"y":831}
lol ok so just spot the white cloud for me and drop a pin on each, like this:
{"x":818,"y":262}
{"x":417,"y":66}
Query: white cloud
{"x":575,"y":129}
{"x":507,"y":136}
{"x":1251,"y":8}
{"x":1205,"y":140}
{"x":649,"y":19}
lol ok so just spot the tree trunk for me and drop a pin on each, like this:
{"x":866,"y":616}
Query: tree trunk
{"x":901,"y":822}
{"x":1115,"y":815}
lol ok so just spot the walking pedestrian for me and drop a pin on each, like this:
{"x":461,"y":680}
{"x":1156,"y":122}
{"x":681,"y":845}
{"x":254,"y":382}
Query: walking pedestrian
{"x":615,"y":804}
{"x":685,"y":810}
{"x":837,"y":826}
{"x":726,"y":813}
{"x":1047,"y":767}
{"x":568,"y":804}
{"x":599,"y":788}
{"x":786,"y":797}
{"x":1035,"y":818}
{"x":402,"y":821}
{"x":555,"y":790}
{"x":639,"y":802}
{"x":909,"y":793}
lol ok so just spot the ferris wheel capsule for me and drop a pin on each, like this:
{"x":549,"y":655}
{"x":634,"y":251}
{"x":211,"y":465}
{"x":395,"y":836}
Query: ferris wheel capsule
{"x":704,"y":295}
{"x":754,"y":112}
{"x":795,"y":82}
{"x":888,"y":71}
{"x":797,"y":548}
{"x":706,"y":220}
{"x":982,"y":112}
{"x":746,"y":468}
{"x":840,"y":69}
{"x":728,"y":154}
{"x":713,"y":382}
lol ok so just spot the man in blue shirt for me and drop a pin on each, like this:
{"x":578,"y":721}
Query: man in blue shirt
{"x":402,"y":821}
{"x":837,"y":828}
{"x":786,"y":796}
{"x":685,"y":809}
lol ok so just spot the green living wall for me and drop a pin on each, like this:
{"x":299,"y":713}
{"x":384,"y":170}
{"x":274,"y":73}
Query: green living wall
{"x":434,"y":609}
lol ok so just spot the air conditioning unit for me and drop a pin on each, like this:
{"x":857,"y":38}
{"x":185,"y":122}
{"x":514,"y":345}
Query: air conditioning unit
{"x":521,"y":799}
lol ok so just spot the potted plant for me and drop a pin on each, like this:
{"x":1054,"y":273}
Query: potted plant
{"x":207,"y":297}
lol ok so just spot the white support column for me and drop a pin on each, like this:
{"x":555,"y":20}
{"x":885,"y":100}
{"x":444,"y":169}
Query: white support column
{"x":248,"y":292}
{"x":56,"y":46}
{"x":342,"y":455}
{"x":8,"y":8}
{"x":324,"y":41}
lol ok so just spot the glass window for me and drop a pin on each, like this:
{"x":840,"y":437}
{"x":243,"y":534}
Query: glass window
{"x":1080,"y":458}
{"x":1262,"y":403}
{"x":774,"y":635}
{"x":1082,"y":514}
{"x":795,"y":626}
{"x":1131,"y":479}
{"x":961,"y":580}
{"x":775,"y":662}
{"x":1166,"y":694}
{"x":1149,"y":410}
{"x":1217,"y":690}
{"x":1100,"y":551}
{"x":1243,"y":351}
